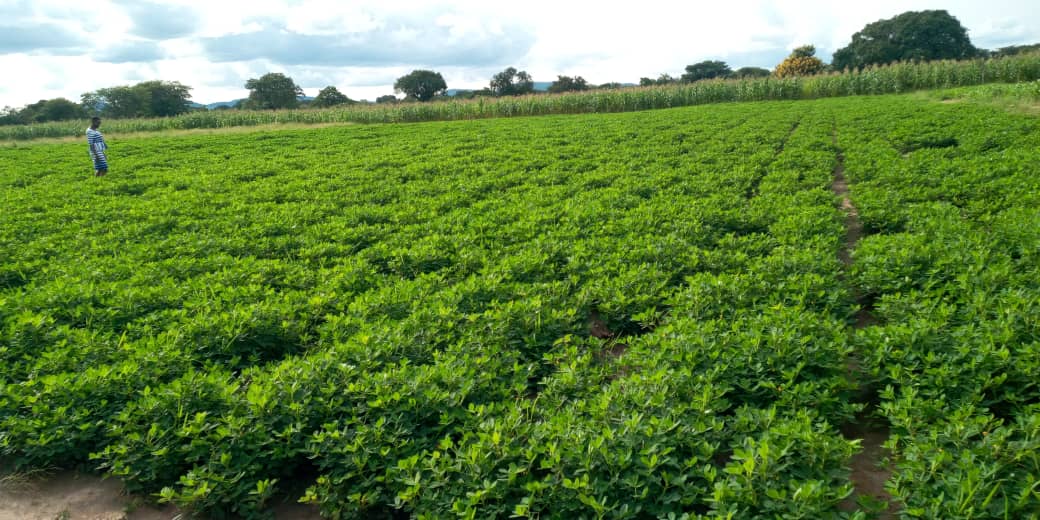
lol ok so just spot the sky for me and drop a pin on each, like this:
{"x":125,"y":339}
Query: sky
{"x":60,"y":48}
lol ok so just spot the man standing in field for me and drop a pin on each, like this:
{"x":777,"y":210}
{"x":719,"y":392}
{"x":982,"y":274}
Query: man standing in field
{"x":98,"y":148}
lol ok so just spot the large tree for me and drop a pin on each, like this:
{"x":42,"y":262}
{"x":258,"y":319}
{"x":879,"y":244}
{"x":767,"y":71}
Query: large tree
{"x":330,"y":96}
{"x":663,"y":79}
{"x":801,"y":62}
{"x":705,"y":70}
{"x":121,"y":101}
{"x":272,"y":90}
{"x":750,"y":72}
{"x":57,"y":109}
{"x":511,"y":82}
{"x":421,"y":84}
{"x":568,"y":84}
{"x":913,"y":36}
{"x":164,"y":98}
{"x":145,"y":99}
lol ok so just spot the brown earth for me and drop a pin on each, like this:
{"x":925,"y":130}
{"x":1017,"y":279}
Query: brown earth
{"x":72,"y":496}
{"x":869,"y":469}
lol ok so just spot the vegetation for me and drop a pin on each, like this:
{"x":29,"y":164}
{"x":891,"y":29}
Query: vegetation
{"x":511,"y":82}
{"x":272,"y":91}
{"x":330,"y":96}
{"x":421,"y":85}
{"x":911,"y":36}
{"x":58,"y":109}
{"x":146,"y":99}
{"x":625,"y":315}
{"x":750,"y":72}
{"x":896,"y":78}
{"x":663,"y":79}
{"x":948,"y":198}
{"x":1014,"y":50}
{"x":801,"y":62}
{"x":706,"y":70}
{"x":568,"y":84}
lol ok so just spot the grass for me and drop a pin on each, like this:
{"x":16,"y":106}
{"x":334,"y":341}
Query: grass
{"x":1020,"y":98}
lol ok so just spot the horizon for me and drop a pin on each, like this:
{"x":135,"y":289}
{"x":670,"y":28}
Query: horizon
{"x":362,"y":48}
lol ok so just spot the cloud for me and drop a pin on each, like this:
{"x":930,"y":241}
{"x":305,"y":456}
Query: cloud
{"x":1001,"y":33}
{"x":41,"y":38}
{"x":130,"y":52}
{"x":160,"y":21}
{"x":395,"y":42}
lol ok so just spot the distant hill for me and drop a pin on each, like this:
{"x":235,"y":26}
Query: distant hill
{"x":539,"y":86}
{"x":218,"y":104}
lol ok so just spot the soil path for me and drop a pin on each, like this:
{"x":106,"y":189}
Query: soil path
{"x":72,"y":496}
{"x":868,"y":472}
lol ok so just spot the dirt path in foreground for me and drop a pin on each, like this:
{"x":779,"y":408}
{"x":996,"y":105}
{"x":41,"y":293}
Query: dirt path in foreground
{"x":868,"y":474}
{"x":71,"y":496}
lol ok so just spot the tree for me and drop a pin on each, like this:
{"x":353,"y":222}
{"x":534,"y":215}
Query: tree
{"x":121,"y":101}
{"x":1014,"y":50}
{"x":58,"y":109}
{"x":330,"y":96}
{"x":750,"y":72}
{"x":163,"y":98}
{"x":271,"y":91}
{"x":911,"y":36}
{"x":145,"y":99}
{"x":9,"y":116}
{"x":801,"y":62}
{"x":568,"y":84}
{"x":613,"y":85}
{"x":705,"y":70}
{"x":663,"y":79}
{"x":805,"y":51}
{"x":389,"y":98}
{"x":511,"y":82}
{"x":421,"y":84}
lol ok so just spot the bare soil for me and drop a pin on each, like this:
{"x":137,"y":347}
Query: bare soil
{"x":597,"y":327}
{"x":869,"y":473}
{"x":615,"y":348}
{"x":73,"y":496}
{"x":869,"y":469}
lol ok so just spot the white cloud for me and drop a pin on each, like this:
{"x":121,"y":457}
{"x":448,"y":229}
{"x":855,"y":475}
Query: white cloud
{"x":53,"y":47}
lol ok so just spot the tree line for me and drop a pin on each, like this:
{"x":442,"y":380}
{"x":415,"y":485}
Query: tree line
{"x":910,"y":36}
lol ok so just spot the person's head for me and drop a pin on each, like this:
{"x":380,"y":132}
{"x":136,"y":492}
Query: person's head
{"x":95,"y":122}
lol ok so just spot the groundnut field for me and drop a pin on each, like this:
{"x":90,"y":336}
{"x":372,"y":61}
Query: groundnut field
{"x":793,"y":309}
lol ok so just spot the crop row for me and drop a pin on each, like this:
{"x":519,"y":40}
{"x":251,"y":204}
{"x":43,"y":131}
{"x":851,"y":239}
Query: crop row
{"x":625,"y":316}
{"x":949,"y":195}
{"x":220,"y":318}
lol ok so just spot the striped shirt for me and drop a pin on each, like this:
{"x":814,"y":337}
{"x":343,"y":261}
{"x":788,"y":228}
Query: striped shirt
{"x":96,"y":142}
